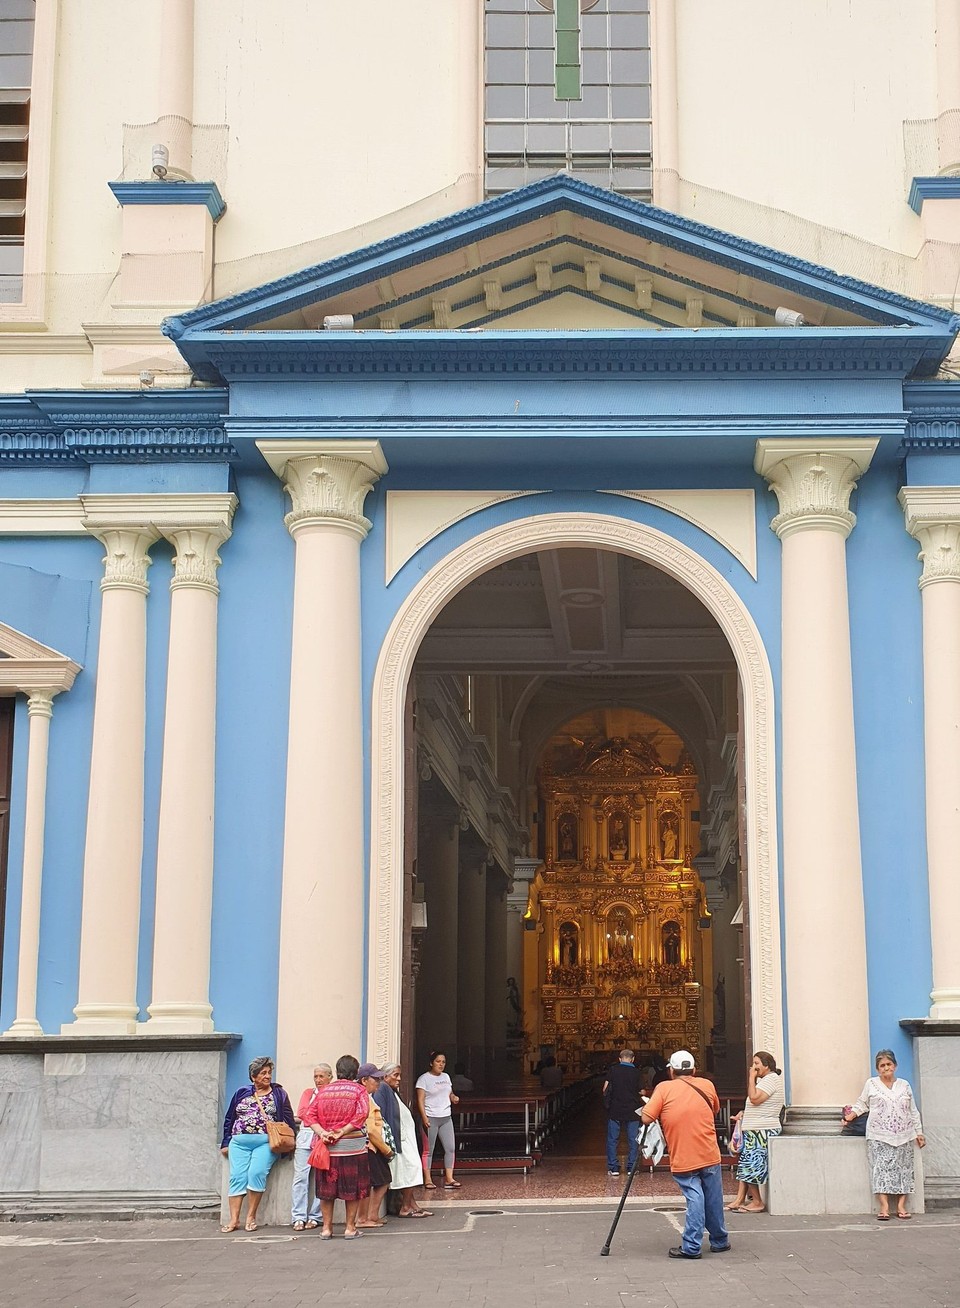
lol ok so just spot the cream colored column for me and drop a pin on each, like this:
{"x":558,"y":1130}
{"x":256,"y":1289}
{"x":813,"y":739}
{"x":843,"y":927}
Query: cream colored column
{"x":826,"y":962}
{"x":175,"y":81}
{"x":322,"y":896}
{"x":181,"y":940}
{"x":110,"y":925}
{"x":39,"y":713}
{"x":933,"y":517}
{"x":666,"y":105}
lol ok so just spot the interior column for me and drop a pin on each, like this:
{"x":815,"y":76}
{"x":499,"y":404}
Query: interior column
{"x":110,"y":922}
{"x":184,"y":903}
{"x":471,"y":959}
{"x":495,"y":977}
{"x":822,"y":883}
{"x":438,"y":867}
{"x":933,"y":518}
{"x":322,"y":895}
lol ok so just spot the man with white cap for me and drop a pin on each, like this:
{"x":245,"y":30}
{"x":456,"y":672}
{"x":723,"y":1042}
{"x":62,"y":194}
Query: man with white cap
{"x":686,"y":1106}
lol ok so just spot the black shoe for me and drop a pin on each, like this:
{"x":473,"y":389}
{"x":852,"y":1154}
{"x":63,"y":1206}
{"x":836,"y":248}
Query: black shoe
{"x":680,"y":1253}
{"x":720,"y":1248}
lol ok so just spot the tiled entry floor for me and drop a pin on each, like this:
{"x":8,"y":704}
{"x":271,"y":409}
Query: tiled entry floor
{"x":575,"y":1168}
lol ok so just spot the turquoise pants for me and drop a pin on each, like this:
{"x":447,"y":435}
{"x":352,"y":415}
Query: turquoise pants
{"x":250,"y":1161}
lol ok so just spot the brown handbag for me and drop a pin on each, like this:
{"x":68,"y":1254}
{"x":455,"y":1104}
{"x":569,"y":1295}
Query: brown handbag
{"x":282,"y":1138}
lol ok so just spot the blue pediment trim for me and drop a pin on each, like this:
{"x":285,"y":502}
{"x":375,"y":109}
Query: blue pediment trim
{"x":838,"y":351}
{"x":79,"y":428}
{"x":932,"y":188}
{"x":552,"y":195}
{"x":168,"y":192}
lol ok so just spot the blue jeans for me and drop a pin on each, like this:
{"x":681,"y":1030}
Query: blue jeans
{"x":613,"y":1139}
{"x":703,"y":1191}
{"x":302,"y":1186}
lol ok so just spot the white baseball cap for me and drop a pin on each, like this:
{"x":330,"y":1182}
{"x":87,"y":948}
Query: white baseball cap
{"x":682,"y":1061}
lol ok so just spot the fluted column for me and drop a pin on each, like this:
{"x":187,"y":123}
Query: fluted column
{"x":825,"y":941}
{"x":39,"y":713}
{"x":933,"y":518}
{"x":181,"y":942}
{"x":322,"y":896}
{"x":110,"y":925}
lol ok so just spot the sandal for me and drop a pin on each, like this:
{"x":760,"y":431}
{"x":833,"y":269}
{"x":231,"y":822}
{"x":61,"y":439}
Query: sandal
{"x":451,"y":1185}
{"x":311,"y":1225}
{"x":227,"y":1230}
{"x":251,"y":1227}
{"x":352,"y":1235}
{"x":326,"y":1235}
{"x":299,"y":1226}
{"x":411,"y":1215}
{"x":904,"y":1217}
{"x":883,"y":1217}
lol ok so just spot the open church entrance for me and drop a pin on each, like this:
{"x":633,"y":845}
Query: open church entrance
{"x":574,"y":851}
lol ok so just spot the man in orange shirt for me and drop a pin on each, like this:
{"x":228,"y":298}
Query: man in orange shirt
{"x":685,"y":1106}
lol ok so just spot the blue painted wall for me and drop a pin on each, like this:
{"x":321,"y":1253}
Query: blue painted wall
{"x":514,"y":434}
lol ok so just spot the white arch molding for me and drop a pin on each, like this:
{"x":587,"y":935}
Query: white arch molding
{"x":395,"y":665}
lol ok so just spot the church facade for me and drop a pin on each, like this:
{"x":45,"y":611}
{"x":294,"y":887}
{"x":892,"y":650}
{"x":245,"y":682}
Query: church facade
{"x":530,"y":626}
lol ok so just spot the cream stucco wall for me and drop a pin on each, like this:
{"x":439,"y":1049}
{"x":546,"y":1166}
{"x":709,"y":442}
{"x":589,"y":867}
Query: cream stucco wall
{"x":801,"y":107}
{"x":339,"y":124}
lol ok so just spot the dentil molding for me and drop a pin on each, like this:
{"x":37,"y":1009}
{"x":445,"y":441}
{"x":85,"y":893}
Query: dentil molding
{"x":813,"y":482}
{"x":327,"y":480}
{"x":932,"y":516}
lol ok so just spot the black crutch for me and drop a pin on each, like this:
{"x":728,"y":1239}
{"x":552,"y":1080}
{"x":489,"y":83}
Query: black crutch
{"x":605,"y":1251}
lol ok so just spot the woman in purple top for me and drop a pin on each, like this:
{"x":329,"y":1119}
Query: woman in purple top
{"x":245,"y":1141}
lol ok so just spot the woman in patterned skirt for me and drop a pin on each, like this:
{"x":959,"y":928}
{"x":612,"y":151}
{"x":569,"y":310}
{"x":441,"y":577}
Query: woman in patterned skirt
{"x":759,"y":1122}
{"x":893,"y":1125}
{"x":338,"y":1115}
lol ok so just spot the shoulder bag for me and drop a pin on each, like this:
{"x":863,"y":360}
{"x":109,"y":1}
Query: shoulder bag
{"x":282,"y":1138}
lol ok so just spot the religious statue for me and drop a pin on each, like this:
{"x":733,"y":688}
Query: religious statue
{"x":568,"y":837}
{"x":618,"y":835}
{"x":568,"y":945}
{"x":513,"y":999}
{"x":671,"y":942}
{"x":669,"y":837}
{"x":620,"y":945}
{"x":720,"y":1004}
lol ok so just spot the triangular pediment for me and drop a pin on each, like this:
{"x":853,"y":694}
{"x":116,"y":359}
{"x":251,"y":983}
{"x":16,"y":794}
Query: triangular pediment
{"x":565,"y":256}
{"x":28,"y":666}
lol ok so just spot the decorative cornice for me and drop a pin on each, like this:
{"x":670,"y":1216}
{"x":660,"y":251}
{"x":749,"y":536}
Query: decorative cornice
{"x":932,"y":188}
{"x":327,"y":481}
{"x":813,"y":483}
{"x":932,"y":516}
{"x":270,"y":355}
{"x":81,"y":428}
{"x":170,"y":192}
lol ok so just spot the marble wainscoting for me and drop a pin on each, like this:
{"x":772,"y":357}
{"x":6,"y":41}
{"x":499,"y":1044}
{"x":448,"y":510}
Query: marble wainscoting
{"x":936,"y":1053}
{"x":111,"y":1123}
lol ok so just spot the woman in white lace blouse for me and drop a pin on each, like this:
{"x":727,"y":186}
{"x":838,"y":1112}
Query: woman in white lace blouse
{"x":893,"y":1125}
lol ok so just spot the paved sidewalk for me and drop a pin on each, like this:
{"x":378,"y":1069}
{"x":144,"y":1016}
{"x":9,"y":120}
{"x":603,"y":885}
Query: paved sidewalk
{"x":532,"y":1255}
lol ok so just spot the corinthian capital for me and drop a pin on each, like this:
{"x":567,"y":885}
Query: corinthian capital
{"x":933,"y":518}
{"x":127,"y":558}
{"x":327,"y":481}
{"x":813,"y":481}
{"x":196,"y":560}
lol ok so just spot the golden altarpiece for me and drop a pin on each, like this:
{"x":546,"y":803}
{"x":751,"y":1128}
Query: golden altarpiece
{"x":617,"y":906}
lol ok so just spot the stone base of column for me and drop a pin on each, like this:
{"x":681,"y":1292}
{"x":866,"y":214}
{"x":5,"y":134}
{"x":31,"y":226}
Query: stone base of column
{"x":936,"y":1053}
{"x":102,"y":1019}
{"x":155,"y":1161}
{"x":180,"y":1019}
{"x":827,"y":1174}
{"x":945,"y":1006}
{"x":24,"y":1026}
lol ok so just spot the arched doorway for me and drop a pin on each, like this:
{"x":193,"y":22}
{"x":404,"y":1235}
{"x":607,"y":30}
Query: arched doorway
{"x":442,"y":583}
